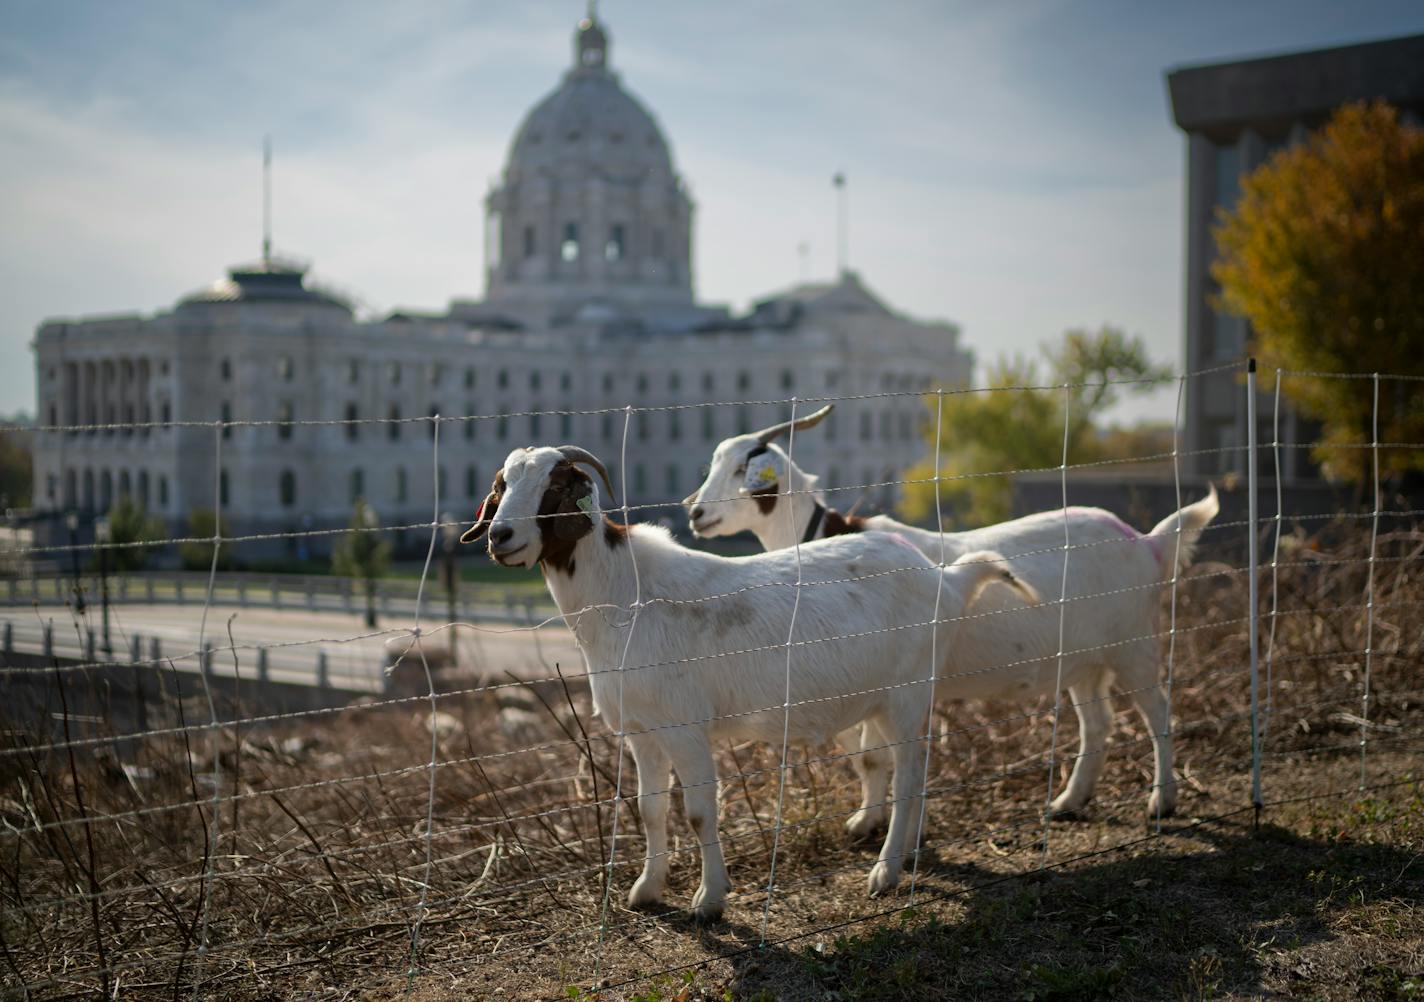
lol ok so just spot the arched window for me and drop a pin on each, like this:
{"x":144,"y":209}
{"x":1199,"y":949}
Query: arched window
{"x":226,"y":416}
{"x":162,"y":491}
{"x":358,"y":485}
{"x":143,"y":488}
{"x":472,"y":482}
{"x":287,"y":488}
{"x":125,"y":484}
{"x":89,"y":490}
{"x":569,"y":249}
{"x":106,"y":490}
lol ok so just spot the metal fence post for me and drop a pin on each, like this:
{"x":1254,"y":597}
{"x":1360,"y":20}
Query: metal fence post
{"x":323,"y":673}
{"x":1252,"y":560}
{"x":262,"y":670}
{"x":48,"y":639}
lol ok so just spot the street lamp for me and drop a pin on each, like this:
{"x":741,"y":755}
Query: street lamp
{"x":450,"y":536}
{"x":101,"y":536}
{"x":71,"y":522}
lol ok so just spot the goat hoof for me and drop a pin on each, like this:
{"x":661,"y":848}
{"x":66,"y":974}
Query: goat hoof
{"x":863,"y":825}
{"x":706,"y":908}
{"x":883,"y":877}
{"x":1160,"y":806}
{"x":645,"y":892}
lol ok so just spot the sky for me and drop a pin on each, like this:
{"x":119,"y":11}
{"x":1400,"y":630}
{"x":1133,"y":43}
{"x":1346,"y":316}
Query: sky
{"x":1012,"y":167}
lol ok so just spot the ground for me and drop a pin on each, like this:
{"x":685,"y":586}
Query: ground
{"x":327,"y":850}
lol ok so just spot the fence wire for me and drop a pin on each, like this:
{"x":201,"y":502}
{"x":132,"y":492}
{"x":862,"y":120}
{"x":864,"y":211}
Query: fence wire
{"x":140,"y":843}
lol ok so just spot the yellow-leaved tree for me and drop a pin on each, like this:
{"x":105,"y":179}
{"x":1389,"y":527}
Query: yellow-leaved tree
{"x":1324,"y":255}
{"x":1017,"y":423}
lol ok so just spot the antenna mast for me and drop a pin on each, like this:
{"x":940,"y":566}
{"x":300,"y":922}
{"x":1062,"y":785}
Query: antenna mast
{"x":842,"y":240}
{"x":266,"y":199}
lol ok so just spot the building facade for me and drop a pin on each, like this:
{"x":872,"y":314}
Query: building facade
{"x":589,"y":310}
{"x":1235,"y":115}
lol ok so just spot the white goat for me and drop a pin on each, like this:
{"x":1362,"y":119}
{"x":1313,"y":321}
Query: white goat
{"x":684,"y":647}
{"x":1110,"y":621}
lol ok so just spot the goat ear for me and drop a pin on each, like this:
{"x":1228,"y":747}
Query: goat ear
{"x":483,"y":517}
{"x":764,"y":472}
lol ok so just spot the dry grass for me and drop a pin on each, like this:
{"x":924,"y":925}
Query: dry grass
{"x":307,"y":876}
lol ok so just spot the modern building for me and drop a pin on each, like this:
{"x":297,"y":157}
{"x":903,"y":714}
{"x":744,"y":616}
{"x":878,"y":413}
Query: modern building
{"x":589,"y":309}
{"x":1235,"y":115}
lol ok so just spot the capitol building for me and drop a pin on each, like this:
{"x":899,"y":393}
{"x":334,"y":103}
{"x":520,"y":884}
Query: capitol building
{"x":589,"y":307}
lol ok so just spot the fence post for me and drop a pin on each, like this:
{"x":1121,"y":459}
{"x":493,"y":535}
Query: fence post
{"x":323,"y":674}
{"x":140,"y":697}
{"x":48,"y":639}
{"x":155,"y":650}
{"x":89,"y":644}
{"x":205,"y":660}
{"x":262,"y":672}
{"x":1254,"y":614}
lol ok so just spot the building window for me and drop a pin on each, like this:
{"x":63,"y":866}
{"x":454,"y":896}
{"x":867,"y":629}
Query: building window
{"x":433,"y":373}
{"x":788,"y":379}
{"x":674,"y":425}
{"x":287,"y":488}
{"x":830,"y":426}
{"x":535,"y":380}
{"x":608,"y":382}
{"x":469,"y":379}
{"x":566,"y":381}
{"x":353,"y":370}
{"x":536,"y":423}
{"x":502,"y":380}
{"x":709,"y":422}
{"x":358,"y":485}
{"x":885,"y":430}
{"x":225,"y":369}
{"x":395,"y":373}
{"x":284,"y":368}
{"x":501,"y":425}
{"x":528,"y":241}
{"x":124,"y":484}
{"x":566,"y":426}
{"x":353,"y":430}
{"x":744,"y":421}
{"x":222,"y":488}
{"x":470,"y":423}
{"x":400,"y":485}
{"x":744,"y":381}
{"x":439,"y":483}
{"x":569,"y":249}
{"x":225,"y":415}
{"x":613,"y":250}
{"x":163,"y":492}
{"x":472,"y":483}
{"x":143,"y":488}
{"x":284,"y":419}
{"x":1228,"y":175}
{"x":674,"y":382}
{"x":393,"y":428}
{"x":642,"y":383}
{"x":642,"y":426}
{"x":672,"y":479}
{"x":708,"y":382}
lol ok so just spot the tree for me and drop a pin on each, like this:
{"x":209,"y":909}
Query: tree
{"x":130,"y":523}
{"x":362,"y":553}
{"x":1324,"y":255}
{"x":1020,"y":425}
{"x":198,"y":556}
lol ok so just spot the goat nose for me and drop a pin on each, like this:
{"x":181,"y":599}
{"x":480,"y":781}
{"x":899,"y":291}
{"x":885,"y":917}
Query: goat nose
{"x":501,"y":535}
{"x":697,"y":513}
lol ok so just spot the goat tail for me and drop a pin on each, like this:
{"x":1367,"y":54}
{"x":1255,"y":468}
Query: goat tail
{"x":982,"y":568}
{"x":1178,"y":534}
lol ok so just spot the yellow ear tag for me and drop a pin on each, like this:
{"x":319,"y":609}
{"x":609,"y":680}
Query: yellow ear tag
{"x":761,"y":473}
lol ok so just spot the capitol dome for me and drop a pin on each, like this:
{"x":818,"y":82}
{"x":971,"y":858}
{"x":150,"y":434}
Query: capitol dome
{"x":589,"y":207}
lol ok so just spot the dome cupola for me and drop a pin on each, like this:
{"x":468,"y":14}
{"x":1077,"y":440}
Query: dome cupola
{"x":589,"y":206}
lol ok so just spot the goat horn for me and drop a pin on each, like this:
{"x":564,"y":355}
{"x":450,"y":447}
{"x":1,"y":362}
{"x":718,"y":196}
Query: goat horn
{"x":800,"y":424}
{"x":574,"y":454}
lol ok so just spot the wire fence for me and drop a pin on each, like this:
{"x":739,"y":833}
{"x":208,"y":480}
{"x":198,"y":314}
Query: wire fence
{"x":249,"y":793}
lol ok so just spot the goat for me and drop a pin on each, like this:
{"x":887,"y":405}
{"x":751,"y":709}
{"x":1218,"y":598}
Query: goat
{"x":1108,"y":629}
{"x":683,"y":647}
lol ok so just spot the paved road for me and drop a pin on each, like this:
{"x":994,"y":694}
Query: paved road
{"x":293,"y":642}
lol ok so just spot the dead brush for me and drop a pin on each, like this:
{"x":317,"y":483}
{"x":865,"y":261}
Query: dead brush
{"x":317,"y":881}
